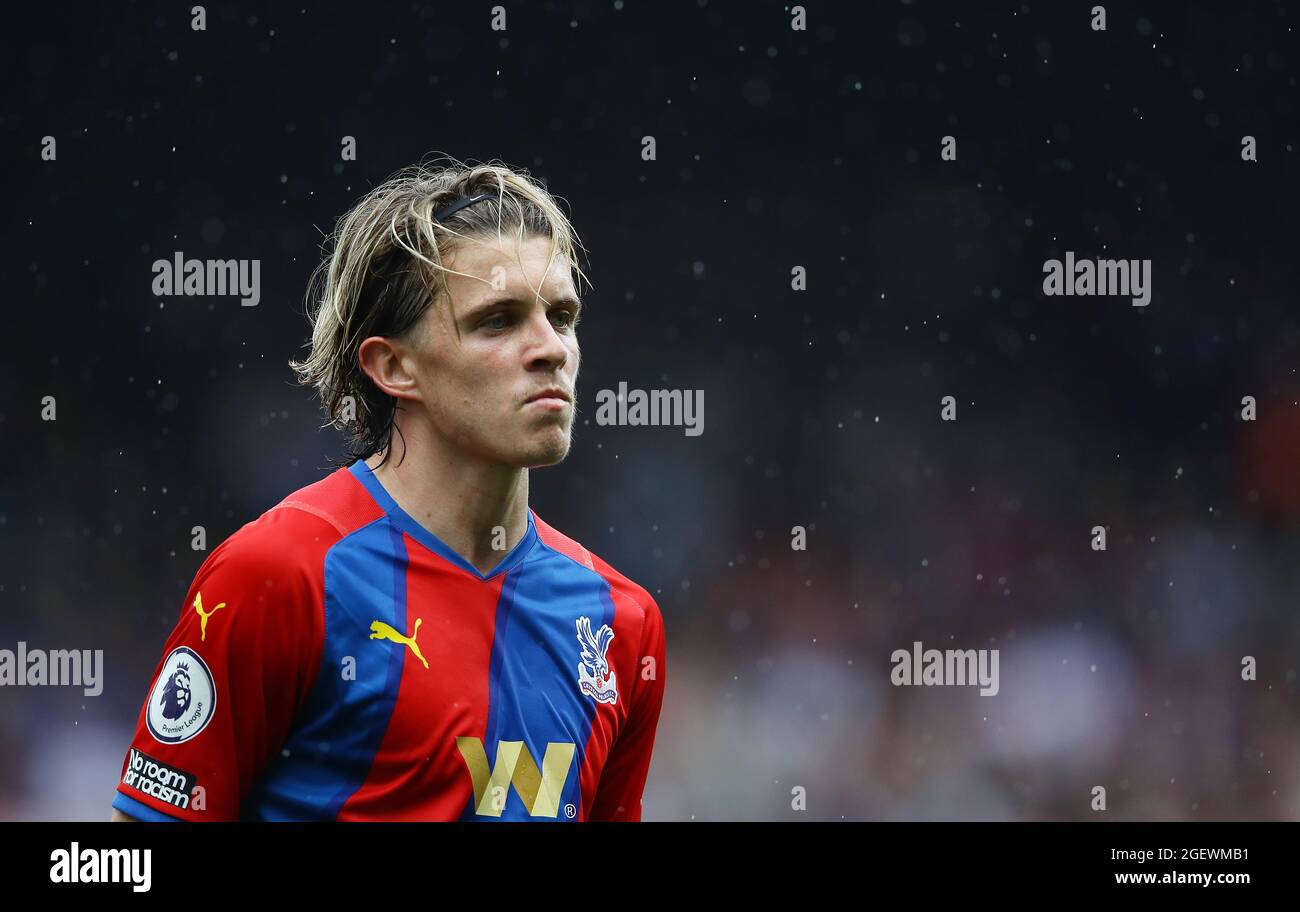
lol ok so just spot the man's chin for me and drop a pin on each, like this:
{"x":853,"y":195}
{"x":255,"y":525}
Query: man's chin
{"x":546,"y":452}
{"x":548,"y":458}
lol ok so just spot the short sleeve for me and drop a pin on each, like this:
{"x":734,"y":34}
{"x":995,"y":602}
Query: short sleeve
{"x":622,"y":781}
{"x":234,"y":673}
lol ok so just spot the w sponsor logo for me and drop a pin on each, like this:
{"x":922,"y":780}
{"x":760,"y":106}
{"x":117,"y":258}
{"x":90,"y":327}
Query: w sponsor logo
{"x":539,"y":789}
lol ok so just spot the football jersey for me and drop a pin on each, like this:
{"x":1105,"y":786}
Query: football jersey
{"x":335,"y":660}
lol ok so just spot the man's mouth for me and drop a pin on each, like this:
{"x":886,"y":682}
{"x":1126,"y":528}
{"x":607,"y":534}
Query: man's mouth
{"x":550,"y":398}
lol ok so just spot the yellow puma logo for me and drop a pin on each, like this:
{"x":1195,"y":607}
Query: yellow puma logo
{"x":204,"y":615}
{"x":382,"y":631}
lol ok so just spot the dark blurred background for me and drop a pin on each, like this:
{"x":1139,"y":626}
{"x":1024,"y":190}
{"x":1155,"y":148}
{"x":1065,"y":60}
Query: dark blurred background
{"x":775,"y":148}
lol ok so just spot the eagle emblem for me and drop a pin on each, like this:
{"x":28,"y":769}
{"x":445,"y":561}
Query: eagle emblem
{"x":595,"y":677}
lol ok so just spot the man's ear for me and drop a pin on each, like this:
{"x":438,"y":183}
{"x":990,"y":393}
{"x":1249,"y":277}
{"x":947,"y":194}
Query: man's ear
{"x":383,"y":358}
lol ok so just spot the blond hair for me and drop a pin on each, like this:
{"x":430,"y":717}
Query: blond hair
{"x":385,"y":268}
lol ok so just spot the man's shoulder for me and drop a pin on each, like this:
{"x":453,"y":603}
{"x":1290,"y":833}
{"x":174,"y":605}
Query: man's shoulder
{"x":618,"y":582}
{"x":338,"y":499}
{"x":295,"y":535}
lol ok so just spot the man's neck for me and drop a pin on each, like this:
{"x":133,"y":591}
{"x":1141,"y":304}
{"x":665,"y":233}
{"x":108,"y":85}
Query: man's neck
{"x":464,"y":503}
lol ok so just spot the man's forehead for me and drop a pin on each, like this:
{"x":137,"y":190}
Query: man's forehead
{"x":509,"y":264}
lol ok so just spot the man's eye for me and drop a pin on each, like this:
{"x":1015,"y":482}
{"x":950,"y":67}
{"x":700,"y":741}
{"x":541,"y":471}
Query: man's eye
{"x":500,"y":321}
{"x":568,"y":318}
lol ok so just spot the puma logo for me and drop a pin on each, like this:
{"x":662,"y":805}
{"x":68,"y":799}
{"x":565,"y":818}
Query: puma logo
{"x":204,"y":615}
{"x":382,"y":631}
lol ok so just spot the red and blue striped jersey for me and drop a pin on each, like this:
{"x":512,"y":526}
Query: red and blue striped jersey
{"x":334,"y":660}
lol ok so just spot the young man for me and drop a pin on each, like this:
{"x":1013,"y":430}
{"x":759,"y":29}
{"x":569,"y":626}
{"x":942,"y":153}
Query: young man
{"x":405,"y":639}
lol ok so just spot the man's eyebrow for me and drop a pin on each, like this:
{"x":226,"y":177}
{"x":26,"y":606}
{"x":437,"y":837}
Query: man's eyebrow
{"x":561,"y":301}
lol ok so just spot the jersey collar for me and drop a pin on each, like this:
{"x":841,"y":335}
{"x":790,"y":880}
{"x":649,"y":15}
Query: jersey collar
{"x":407,"y":524}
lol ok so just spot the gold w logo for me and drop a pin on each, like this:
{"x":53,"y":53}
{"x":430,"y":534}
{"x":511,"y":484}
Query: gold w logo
{"x":539,"y":789}
{"x":381,"y":631}
{"x":204,"y":615}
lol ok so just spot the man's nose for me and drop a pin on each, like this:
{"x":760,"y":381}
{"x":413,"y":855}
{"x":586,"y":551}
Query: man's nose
{"x":545,"y":343}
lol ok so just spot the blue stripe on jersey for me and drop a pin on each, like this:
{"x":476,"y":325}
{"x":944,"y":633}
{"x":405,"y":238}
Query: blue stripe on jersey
{"x":533,"y":683}
{"x":141,"y":811}
{"x":327,"y":759}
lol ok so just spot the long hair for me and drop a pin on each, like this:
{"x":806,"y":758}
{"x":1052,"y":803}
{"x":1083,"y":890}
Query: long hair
{"x":384,"y":268}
